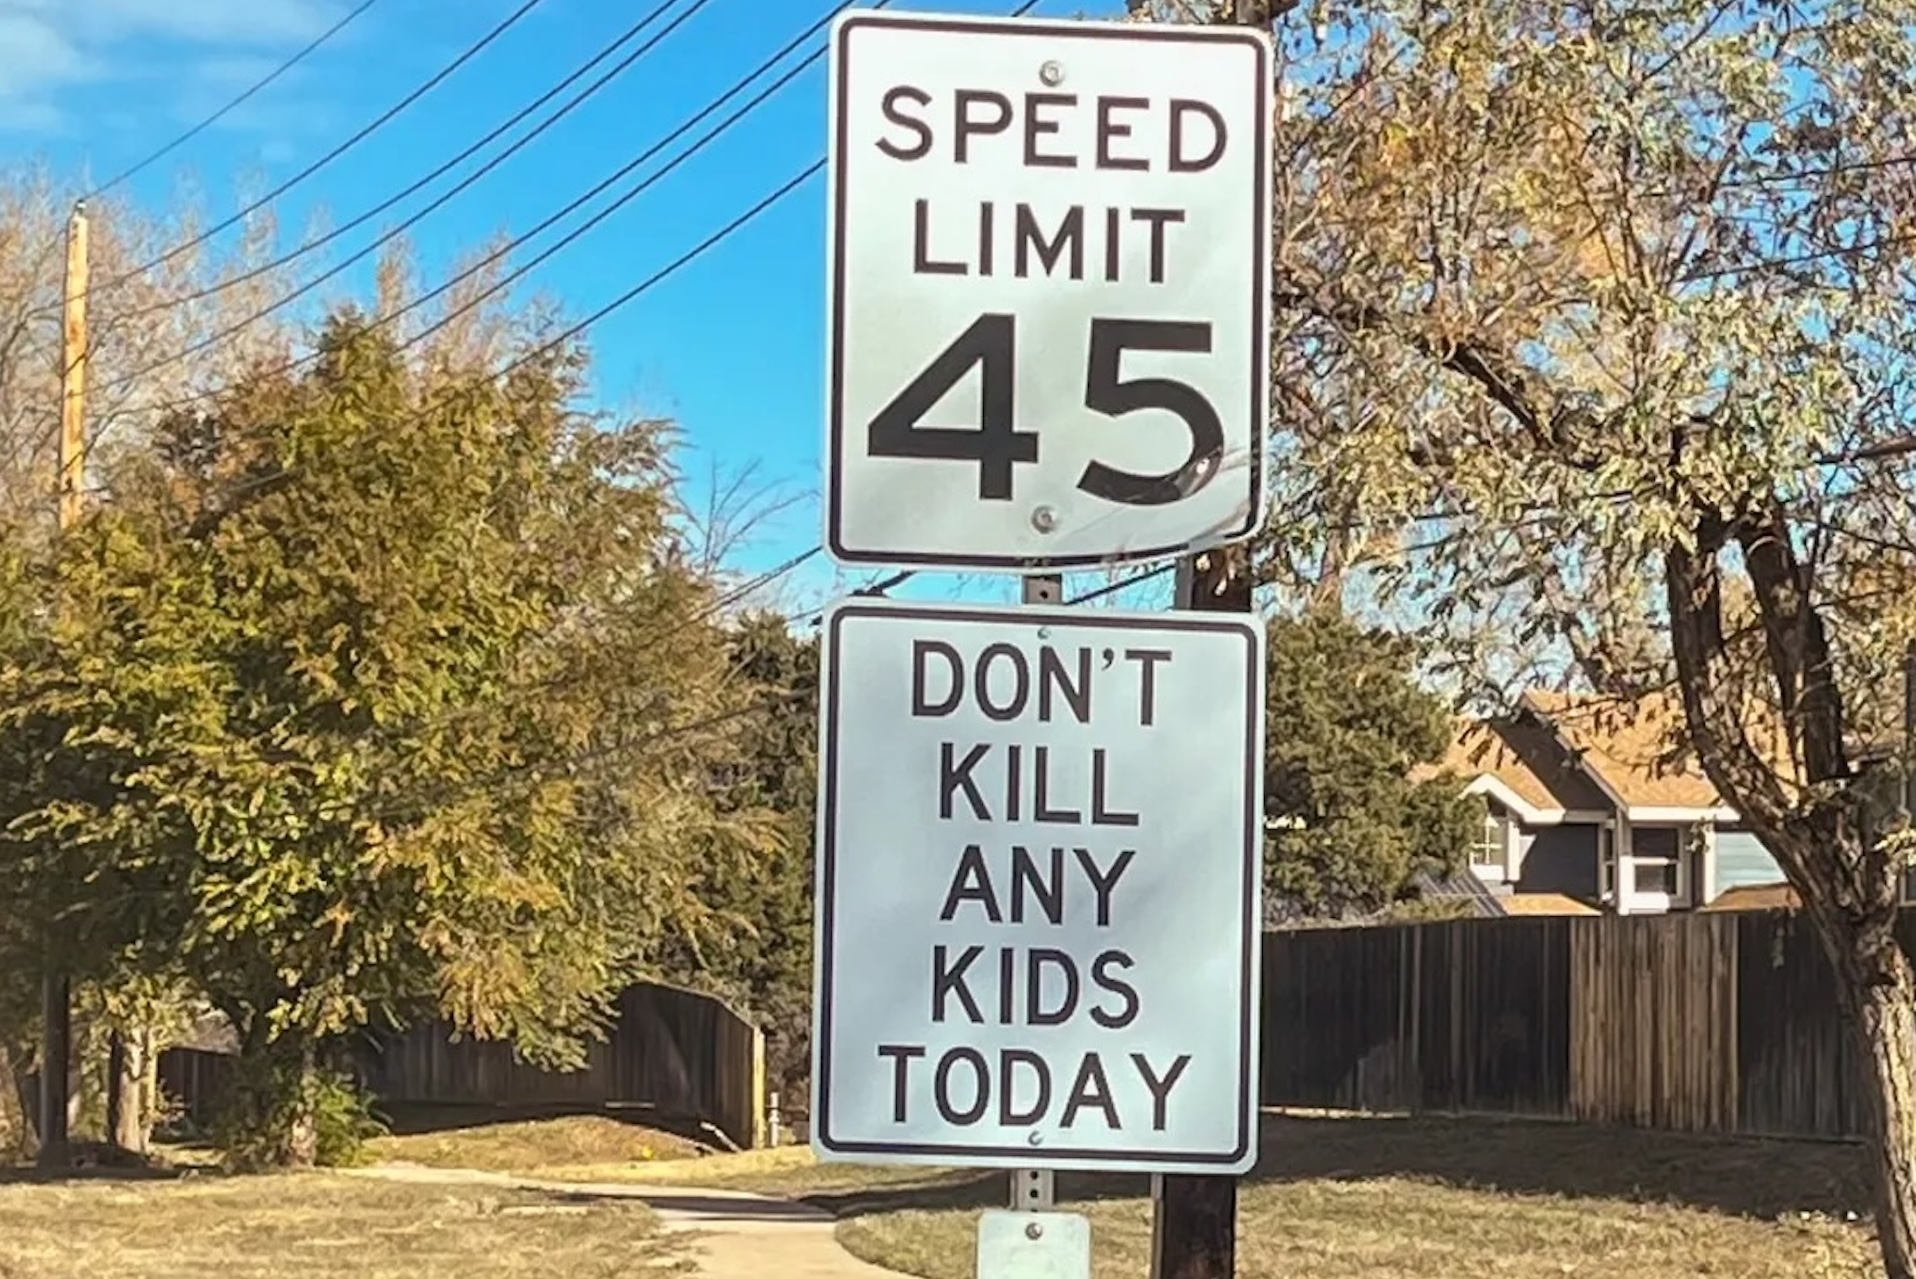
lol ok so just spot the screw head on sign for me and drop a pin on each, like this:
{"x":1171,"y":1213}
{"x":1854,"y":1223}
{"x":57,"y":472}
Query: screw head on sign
{"x":1034,"y":1139}
{"x":1044,"y":519}
{"x":1034,"y":1231}
{"x":1051,"y":73}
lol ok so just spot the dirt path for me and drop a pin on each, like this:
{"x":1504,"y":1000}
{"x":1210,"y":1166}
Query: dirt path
{"x":737,"y":1235}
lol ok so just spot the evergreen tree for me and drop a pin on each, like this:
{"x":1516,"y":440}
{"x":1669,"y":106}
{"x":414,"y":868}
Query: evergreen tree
{"x":1347,"y":729}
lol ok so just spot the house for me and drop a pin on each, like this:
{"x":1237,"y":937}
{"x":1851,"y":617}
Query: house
{"x":1583,"y":800}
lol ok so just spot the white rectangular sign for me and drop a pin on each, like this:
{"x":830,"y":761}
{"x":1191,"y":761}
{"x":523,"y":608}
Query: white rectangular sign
{"x":1049,"y":290}
{"x":1040,"y":850}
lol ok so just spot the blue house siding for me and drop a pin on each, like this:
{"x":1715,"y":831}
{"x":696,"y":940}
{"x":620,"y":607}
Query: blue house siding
{"x":1741,"y":860}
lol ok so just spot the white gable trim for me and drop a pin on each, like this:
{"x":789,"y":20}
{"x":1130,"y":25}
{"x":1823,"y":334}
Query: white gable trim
{"x":1646,"y":814}
{"x":1491,"y":786}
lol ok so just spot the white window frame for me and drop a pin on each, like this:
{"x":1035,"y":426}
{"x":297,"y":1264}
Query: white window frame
{"x":1607,"y":862}
{"x":1655,"y":900}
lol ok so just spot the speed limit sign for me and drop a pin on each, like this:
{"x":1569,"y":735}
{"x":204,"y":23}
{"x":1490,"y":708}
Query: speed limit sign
{"x":1049,"y":283}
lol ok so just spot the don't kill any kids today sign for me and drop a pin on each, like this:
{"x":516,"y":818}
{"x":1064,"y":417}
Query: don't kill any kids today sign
{"x":1038,"y":886}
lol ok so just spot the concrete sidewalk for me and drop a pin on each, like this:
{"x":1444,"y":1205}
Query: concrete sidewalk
{"x":738,"y":1235}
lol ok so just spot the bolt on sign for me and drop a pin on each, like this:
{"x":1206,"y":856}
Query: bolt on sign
{"x":1039,"y":892}
{"x":1049,"y":290}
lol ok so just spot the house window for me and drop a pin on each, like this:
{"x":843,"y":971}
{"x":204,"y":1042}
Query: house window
{"x":1654,"y":877}
{"x":1487,"y":854}
{"x":1656,"y":863}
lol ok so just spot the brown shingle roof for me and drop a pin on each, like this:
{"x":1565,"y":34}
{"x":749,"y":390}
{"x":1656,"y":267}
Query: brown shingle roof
{"x":1756,"y":897}
{"x":1545,"y":904}
{"x":1559,"y":746}
{"x":1629,"y":746}
{"x":1523,"y":754}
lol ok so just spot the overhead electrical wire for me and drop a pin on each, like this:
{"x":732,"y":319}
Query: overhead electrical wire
{"x":684,"y":127}
{"x":573,"y":331}
{"x":656,"y":278}
{"x":1112,"y":588}
{"x":246,"y":95}
{"x":359,"y":220}
{"x":641,"y":187}
{"x":650,"y":639}
{"x":365,"y":131}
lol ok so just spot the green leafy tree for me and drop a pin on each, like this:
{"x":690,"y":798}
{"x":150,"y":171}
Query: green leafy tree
{"x":756,"y":946}
{"x":381,"y":688}
{"x":1348,"y":728}
{"x":1600,"y":316}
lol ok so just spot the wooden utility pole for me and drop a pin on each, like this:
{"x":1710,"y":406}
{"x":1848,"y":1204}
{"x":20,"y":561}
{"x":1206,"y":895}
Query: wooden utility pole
{"x":1194,"y":1217}
{"x":56,"y":1058}
{"x":73,"y":361}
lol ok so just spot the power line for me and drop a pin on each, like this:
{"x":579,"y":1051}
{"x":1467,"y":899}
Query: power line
{"x":245,"y":96}
{"x":408,"y":810}
{"x":624,"y":299}
{"x":632,"y":193}
{"x":659,"y":276}
{"x":648,"y":640}
{"x":871,"y":590}
{"x":419,"y":184}
{"x":378,"y":122}
{"x":1112,"y":588}
{"x":707,"y":138}
{"x":644,"y":286}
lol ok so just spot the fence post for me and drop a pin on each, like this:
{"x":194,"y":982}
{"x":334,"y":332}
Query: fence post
{"x":757,"y":1137}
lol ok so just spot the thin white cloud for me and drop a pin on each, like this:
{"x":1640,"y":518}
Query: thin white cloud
{"x":221,"y":22}
{"x":47,"y":47}
{"x":37,"y":60}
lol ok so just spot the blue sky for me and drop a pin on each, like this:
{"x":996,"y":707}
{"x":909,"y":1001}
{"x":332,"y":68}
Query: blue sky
{"x":731,"y":348}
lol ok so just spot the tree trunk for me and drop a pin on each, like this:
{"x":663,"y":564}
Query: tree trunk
{"x":1881,"y":990}
{"x":149,"y":1061}
{"x":125,"y":1074}
{"x":116,"y":1092}
{"x":302,"y":1133}
{"x":19,"y":1092}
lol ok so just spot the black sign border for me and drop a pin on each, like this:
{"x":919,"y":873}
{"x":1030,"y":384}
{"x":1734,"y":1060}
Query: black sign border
{"x":835,"y":371}
{"x":825,"y":884}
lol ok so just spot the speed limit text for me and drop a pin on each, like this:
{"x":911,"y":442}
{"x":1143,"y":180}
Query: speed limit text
{"x":1048,"y":131}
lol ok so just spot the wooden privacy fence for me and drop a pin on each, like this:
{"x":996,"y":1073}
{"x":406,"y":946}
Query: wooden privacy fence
{"x":677,"y":1052}
{"x":1702,"y":1023}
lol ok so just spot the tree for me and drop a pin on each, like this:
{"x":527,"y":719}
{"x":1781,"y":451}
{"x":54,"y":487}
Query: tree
{"x":381,"y":689}
{"x":1348,"y":728}
{"x":756,"y":946}
{"x":156,"y":300}
{"x":1602,"y":313}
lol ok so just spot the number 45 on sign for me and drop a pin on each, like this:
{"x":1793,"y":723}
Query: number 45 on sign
{"x":1049,"y":269}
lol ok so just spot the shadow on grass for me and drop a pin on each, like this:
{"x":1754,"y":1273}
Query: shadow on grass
{"x":90,"y":1162}
{"x":1748,"y":1178}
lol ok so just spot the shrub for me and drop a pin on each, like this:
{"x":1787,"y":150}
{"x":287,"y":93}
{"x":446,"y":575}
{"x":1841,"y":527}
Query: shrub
{"x":281,"y":1114}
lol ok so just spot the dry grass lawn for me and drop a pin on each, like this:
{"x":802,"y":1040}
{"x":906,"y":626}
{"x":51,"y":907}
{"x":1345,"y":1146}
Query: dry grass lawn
{"x":452,"y":1137}
{"x":1347,"y":1198}
{"x":318,"y":1226}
